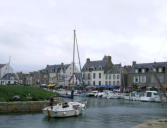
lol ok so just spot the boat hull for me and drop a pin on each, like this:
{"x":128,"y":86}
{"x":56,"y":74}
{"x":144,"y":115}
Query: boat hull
{"x":62,"y":114}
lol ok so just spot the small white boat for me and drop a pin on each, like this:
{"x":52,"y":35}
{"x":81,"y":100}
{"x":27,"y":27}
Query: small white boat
{"x":66,"y":109}
{"x":114,"y":95}
{"x":92,"y":93}
{"x":151,"y":96}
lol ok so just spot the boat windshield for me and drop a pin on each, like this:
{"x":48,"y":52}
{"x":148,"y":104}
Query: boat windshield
{"x":133,"y":94}
{"x":155,"y":94}
{"x":149,"y":94}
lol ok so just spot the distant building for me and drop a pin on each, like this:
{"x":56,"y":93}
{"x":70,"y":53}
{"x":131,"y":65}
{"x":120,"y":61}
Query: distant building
{"x":9,"y":79}
{"x":61,"y":74}
{"x":102,"y":72}
{"x":22,"y":78}
{"x":4,"y":69}
{"x":77,"y":79}
{"x":142,"y":74}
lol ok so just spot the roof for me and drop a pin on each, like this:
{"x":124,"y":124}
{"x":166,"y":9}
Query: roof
{"x":148,"y":66}
{"x":10,"y":76}
{"x":2,"y":65}
{"x":95,"y":64}
{"x":115,"y":69}
{"x":57,"y":68}
{"x":99,"y":63}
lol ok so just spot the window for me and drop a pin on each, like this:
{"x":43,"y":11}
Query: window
{"x":83,"y":76}
{"x":114,"y":76}
{"x":106,"y":82}
{"x":88,"y":82}
{"x":106,"y":76}
{"x":136,"y":70}
{"x":99,"y":82}
{"x":110,"y":76}
{"x":142,"y":79}
{"x":113,"y":82}
{"x":117,"y":76}
{"x":109,"y":82}
{"x":100,"y":75}
{"x":154,"y":70}
{"x":159,"y":69}
{"x":143,"y":70}
{"x":136,"y":79}
{"x":94,"y":75}
{"x":149,"y":94}
{"x":117,"y":82}
{"x":88,"y":76}
{"x":94,"y":83}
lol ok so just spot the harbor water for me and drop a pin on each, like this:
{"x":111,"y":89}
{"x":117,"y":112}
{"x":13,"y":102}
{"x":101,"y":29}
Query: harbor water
{"x":100,"y":113}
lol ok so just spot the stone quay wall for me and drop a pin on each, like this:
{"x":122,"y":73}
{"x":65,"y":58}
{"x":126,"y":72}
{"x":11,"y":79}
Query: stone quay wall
{"x":25,"y":106}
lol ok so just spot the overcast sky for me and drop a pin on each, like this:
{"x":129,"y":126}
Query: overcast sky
{"x":40,"y":32}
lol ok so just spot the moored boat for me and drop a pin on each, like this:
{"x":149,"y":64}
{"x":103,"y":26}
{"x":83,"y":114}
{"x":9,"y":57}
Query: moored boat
{"x":151,"y":96}
{"x":66,"y":109}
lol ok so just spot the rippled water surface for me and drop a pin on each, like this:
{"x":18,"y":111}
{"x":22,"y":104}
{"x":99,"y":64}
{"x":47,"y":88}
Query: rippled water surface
{"x":100,"y":113}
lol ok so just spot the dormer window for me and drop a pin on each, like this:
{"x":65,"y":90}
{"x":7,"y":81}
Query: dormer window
{"x":136,"y":71}
{"x":143,"y":70}
{"x":100,"y":68}
{"x":159,"y":69}
{"x":154,"y":70}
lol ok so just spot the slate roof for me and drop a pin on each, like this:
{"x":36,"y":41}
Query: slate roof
{"x":115,"y":69}
{"x":10,"y":76}
{"x":95,"y":64}
{"x":148,"y":66}
{"x":56,"y":68}
{"x":1,"y":65}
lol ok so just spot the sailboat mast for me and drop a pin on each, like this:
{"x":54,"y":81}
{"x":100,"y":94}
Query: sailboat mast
{"x":73,"y":56}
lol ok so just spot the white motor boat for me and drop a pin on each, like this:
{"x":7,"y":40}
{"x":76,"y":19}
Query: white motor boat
{"x":114,"y":95}
{"x":66,"y":109}
{"x":150,"y":96}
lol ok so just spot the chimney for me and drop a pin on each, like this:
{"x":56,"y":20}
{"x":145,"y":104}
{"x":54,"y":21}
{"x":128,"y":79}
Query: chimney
{"x":88,"y":60}
{"x":62,"y":64}
{"x":133,"y":63}
{"x":109,"y":59}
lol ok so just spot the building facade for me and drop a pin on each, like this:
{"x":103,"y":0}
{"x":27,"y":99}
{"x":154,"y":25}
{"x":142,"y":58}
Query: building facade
{"x":102,"y":72}
{"x":9,"y":79}
{"x":143,"y":74}
{"x":61,"y":74}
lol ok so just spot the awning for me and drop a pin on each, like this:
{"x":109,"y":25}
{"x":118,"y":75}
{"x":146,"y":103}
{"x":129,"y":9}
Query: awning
{"x":165,"y":86}
{"x":51,"y":85}
{"x":107,"y":87}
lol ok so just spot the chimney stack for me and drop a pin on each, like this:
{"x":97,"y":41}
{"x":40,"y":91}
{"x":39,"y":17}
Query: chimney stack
{"x":88,"y":60}
{"x":133,"y":63}
{"x":109,"y":59}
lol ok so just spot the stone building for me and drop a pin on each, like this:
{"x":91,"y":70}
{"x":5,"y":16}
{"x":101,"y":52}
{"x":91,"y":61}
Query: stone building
{"x":142,"y":74}
{"x":102,"y":72}
{"x":61,"y":74}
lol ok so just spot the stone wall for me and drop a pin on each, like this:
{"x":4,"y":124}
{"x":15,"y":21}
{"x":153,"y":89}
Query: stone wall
{"x":25,"y":106}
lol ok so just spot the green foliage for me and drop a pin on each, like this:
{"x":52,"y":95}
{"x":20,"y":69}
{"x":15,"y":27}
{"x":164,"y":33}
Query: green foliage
{"x":36,"y":94}
{"x":135,"y":86}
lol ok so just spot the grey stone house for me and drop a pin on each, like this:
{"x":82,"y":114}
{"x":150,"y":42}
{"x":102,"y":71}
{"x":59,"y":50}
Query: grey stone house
{"x":60,"y":74}
{"x":142,"y":74}
{"x":102,"y":72}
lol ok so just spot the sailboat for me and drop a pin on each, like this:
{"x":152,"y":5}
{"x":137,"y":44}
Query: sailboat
{"x":66,"y":109}
{"x":75,"y":45}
